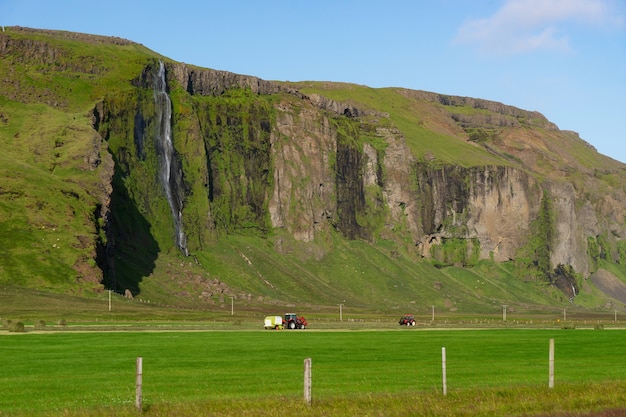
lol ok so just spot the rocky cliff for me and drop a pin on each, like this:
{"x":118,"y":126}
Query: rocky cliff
{"x":451,"y":180}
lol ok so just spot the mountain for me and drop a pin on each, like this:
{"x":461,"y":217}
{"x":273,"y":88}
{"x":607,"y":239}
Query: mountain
{"x":164,"y":181}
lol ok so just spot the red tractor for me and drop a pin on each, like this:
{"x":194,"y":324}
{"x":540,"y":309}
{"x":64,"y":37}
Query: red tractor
{"x":407,"y":320}
{"x":293,"y":321}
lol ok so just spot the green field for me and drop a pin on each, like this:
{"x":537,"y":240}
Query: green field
{"x":354,"y":372}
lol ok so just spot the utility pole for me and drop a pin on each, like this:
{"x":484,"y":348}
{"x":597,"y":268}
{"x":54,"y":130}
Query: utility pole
{"x":504,"y":312}
{"x":232,"y":306}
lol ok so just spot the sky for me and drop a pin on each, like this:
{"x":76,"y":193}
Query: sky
{"x":563,"y":58}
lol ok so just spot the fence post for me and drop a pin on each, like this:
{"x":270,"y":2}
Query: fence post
{"x":443,"y":370}
{"x":138,"y":384}
{"x":307,"y":381}
{"x":551,"y":365}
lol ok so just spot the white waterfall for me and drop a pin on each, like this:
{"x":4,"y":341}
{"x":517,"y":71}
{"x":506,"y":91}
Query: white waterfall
{"x":166,"y":154}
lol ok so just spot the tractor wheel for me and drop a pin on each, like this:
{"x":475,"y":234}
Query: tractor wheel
{"x":292,"y":325}
{"x":301,"y":326}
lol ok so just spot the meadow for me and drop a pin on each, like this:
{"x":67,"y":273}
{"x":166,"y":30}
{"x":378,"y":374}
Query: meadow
{"x":354,"y":372}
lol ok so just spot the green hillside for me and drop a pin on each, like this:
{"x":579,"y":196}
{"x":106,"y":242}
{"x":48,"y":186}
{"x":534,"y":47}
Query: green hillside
{"x":82,"y":209}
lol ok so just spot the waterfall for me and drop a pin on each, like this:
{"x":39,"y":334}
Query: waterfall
{"x":170,"y":177}
{"x":571,"y":299}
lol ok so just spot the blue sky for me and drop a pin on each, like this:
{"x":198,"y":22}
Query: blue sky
{"x":563,"y":58}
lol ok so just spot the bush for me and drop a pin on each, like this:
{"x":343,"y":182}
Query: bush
{"x":61,"y":322}
{"x":40,"y":324}
{"x":17,"y":327}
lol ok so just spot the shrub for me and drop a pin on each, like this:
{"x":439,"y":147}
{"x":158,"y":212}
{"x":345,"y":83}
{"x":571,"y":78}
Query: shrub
{"x":39,"y":324}
{"x":61,"y":322}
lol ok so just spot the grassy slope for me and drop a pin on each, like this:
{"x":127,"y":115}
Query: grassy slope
{"x":365,"y":276}
{"x":429,"y":131}
{"x":49,"y":194}
{"x":424,"y":126}
{"x":45,"y":206}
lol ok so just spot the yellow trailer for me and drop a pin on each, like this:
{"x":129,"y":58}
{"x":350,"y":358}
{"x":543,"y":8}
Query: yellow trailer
{"x":274,"y":322}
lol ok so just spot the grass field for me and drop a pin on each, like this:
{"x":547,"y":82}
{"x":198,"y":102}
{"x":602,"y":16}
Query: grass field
{"x":394,"y":372}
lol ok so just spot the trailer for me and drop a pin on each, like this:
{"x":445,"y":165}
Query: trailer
{"x":274,"y":322}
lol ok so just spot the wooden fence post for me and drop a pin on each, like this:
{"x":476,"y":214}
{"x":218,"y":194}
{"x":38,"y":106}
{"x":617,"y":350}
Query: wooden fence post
{"x":551,"y":365}
{"x":307,"y":381}
{"x":138,"y":384}
{"x":443,"y":370}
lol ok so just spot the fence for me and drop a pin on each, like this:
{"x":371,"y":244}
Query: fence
{"x":308,"y":380}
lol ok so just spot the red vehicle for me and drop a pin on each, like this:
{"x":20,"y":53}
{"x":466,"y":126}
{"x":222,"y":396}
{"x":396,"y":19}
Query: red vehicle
{"x":407,"y":320}
{"x":293,"y":321}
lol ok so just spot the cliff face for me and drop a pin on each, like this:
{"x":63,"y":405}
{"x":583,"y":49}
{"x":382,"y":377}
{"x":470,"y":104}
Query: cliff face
{"x":494,"y":205}
{"x":322,"y":169}
{"x":292,"y":164}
